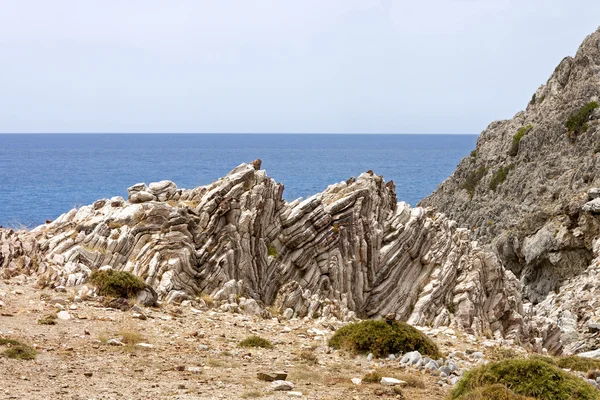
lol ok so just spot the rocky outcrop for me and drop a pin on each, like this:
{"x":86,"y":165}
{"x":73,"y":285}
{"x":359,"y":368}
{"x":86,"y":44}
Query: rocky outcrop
{"x":524,"y":187}
{"x":351,"y":250}
{"x":529,"y":189}
{"x":19,"y":254}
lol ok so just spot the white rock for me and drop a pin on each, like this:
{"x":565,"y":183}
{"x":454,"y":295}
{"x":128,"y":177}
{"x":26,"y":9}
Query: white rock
{"x":386,"y":381}
{"x":295,"y":394}
{"x":64,"y":315}
{"x":282,"y":385}
{"x":356,"y":381}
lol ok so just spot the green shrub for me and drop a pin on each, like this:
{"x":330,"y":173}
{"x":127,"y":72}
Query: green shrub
{"x":474,"y":153}
{"x":17,"y":350}
{"x":256,"y":341}
{"x":577,"y":122}
{"x":272,"y":251}
{"x":525,"y":377}
{"x":578,"y":363}
{"x":597,"y":148}
{"x":117,"y":283}
{"x":514,"y":149}
{"x":499,"y":176}
{"x":532,"y":99}
{"x":493,"y":392}
{"x":473,"y":179}
{"x":382,"y":338}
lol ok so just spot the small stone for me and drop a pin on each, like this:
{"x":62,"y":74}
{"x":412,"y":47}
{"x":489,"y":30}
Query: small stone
{"x":88,"y":374}
{"x":478,"y":355}
{"x":60,"y":289}
{"x":295,"y":394}
{"x":370,"y":357}
{"x":203,"y":347}
{"x":145,"y":345}
{"x":386,"y":381}
{"x":356,"y":381}
{"x":288,"y":313}
{"x":180,"y":368}
{"x":282,"y":385}
{"x":139,"y":316}
{"x":181,"y":386}
{"x":195,"y":370}
{"x":272,"y":376}
{"x":115,"y":342}
{"x":63,"y":315}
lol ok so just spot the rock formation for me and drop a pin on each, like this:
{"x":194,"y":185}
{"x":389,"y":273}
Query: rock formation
{"x":529,"y":189}
{"x":351,"y":250}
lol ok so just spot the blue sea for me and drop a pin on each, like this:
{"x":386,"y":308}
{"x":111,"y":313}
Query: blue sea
{"x":45,"y":175}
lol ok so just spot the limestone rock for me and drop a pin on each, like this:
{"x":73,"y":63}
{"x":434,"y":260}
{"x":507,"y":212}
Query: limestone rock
{"x":350,"y":251}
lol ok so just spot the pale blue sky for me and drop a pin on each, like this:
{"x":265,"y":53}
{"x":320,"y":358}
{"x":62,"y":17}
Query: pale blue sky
{"x":372,"y":66}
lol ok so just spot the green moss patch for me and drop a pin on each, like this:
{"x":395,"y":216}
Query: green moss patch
{"x":525,"y":377}
{"x":493,"y":392}
{"x":382,"y":338}
{"x":514,"y":149}
{"x":256,"y":341}
{"x":272,"y":251}
{"x":117,"y":283}
{"x":578,"y":363}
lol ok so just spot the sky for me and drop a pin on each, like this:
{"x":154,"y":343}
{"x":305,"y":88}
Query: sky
{"x":278,"y":66}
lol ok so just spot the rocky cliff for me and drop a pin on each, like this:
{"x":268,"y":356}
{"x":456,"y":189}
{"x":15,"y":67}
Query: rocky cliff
{"x":351,"y":250}
{"x":529,"y":188}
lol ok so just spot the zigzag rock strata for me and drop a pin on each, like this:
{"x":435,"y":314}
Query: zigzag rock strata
{"x":351,"y":250}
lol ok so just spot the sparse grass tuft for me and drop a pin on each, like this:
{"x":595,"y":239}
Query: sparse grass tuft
{"x":256,"y":341}
{"x":251,"y":394}
{"x":309,"y":357}
{"x":524,"y":377}
{"x":501,"y":353}
{"x":473,"y":179}
{"x":500,"y":176}
{"x":372,"y":377}
{"x":210,"y":302}
{"x":117,"y":283}
{"x":49,"y":319}
{"x":382,"y":338}
{"x":577,"y":122}
{"x":17,"y":350}
{"x":493,"y":392}
{"x":272,"y":251}
{"x":131,"y":337}
{"x":514,"y":149}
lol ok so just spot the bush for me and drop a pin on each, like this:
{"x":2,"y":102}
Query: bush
{"x":500,"y":176}
{"x":514,"y":149}
{"x":117,"y":283}
{"x":493,"y":392}
{"x":17,"y":350}
{"x":473,"y":179}
{"x":577,"y":122}
{"x":382,"y":338}
{"x":578,"y":363}
{"x":474,"y":153}
{"x":524,"y":377}
{"x":256,"y":341}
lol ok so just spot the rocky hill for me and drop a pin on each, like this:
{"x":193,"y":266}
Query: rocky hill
{"x":529,"y":188}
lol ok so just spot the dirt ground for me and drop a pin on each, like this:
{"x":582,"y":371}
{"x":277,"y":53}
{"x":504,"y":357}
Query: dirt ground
{"x":194,"y":354}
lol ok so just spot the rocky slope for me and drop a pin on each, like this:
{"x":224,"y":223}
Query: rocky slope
{"x":351,"y":250}
{"x":528,"y":189}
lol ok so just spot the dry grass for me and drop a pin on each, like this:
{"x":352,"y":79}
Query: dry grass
{"x":251,"y":394}
{"x":309,"y":357}
{"x":210,"y":302}
{"x":131,"y":337}
{"x":49,"y":319}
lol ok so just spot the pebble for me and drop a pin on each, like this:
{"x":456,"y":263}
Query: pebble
{"x":356,"y":381}
{"x":64,"y":315}
{"x":295,"y":394}
{"x":386,"y":381}
{"x":272,"y":376}
{"x":282,"y":385}
{"x":115,"y":342}
{"x":195,"y":370}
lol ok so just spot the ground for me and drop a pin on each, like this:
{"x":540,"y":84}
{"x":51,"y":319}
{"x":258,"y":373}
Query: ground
{"x":75,"y":360}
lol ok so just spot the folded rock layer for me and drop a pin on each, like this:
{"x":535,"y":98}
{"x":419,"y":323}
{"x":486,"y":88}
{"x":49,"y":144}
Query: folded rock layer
{"x":351,"y":250}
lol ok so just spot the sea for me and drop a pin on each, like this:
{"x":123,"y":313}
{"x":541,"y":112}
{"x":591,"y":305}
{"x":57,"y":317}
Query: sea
{"x":45,"y":175}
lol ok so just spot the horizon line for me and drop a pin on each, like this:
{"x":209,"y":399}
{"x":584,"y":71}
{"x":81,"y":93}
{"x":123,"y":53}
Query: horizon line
{"x":229,"y":133}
